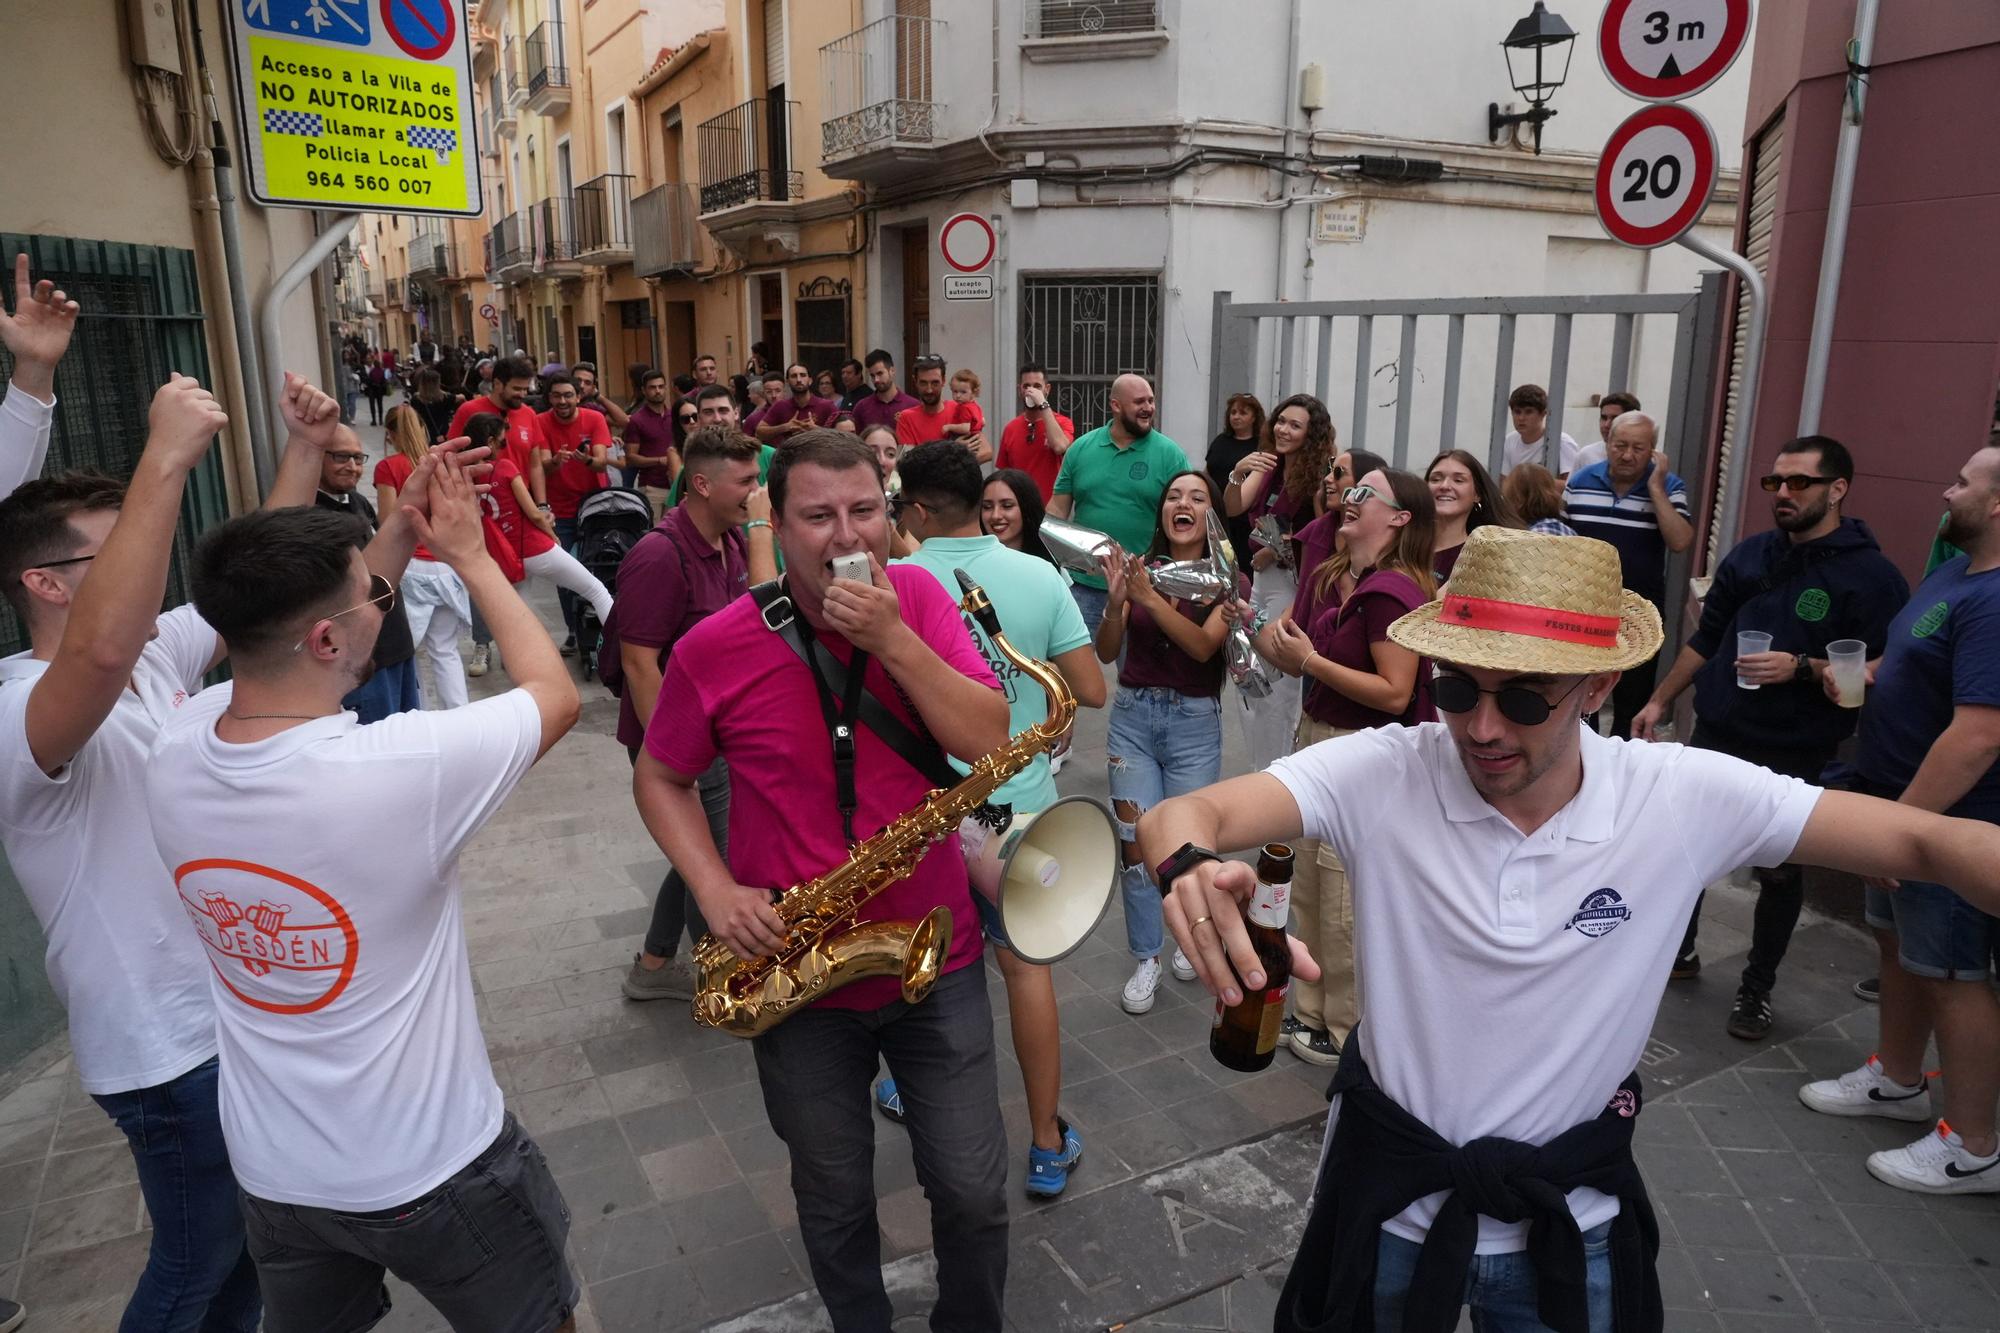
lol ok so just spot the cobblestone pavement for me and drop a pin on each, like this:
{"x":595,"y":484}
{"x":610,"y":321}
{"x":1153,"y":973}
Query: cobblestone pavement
{"x":1189,"y":1199}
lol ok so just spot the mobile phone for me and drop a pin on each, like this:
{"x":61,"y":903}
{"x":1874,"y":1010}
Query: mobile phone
{"x":853,"y":567}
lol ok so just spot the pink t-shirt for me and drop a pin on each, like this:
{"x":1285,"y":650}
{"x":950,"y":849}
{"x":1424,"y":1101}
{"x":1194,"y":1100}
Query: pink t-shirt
{"x":739,"y":690}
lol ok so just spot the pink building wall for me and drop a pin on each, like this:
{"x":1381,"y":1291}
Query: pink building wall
{"x":1916,"y":350}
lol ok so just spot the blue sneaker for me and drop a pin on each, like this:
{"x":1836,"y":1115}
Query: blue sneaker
{"x":1048,"y":1170}
{"x":887,"y":1100}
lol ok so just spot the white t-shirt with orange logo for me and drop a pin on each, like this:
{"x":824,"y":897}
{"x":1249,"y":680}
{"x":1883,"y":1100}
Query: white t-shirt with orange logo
{"x":319,"y":872}
{"x":119,"y":957}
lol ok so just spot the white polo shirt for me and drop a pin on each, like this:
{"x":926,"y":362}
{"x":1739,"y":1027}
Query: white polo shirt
{"x":1509,"y":983}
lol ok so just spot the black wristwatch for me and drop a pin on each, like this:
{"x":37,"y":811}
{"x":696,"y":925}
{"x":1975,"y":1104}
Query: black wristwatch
{"x":1184,"y":859}
{"x":1804,"y":669}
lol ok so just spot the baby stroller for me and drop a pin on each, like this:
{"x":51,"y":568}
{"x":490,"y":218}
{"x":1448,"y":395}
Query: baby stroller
{"x":609,"y":523}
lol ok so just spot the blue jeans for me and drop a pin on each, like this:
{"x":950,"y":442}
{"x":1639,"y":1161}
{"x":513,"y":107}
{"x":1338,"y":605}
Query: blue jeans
{"x":816,"y":1069}
{"x":1938,"y":934}
{"x":392,"y":689}
{"x":198,"y":1275}
{"x":1091,"y":602}
{"x":1500,"y":1288}
{"x":1160,"y":743}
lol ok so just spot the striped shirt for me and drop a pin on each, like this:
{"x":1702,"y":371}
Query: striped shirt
{"x":1627,"y":521}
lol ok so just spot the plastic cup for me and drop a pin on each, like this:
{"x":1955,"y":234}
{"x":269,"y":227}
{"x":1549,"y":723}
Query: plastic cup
{"x":1847,"y":660}
{"x":1748,"y":642}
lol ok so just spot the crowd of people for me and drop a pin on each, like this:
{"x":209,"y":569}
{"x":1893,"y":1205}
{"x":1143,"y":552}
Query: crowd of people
{"x":1458,"y":755}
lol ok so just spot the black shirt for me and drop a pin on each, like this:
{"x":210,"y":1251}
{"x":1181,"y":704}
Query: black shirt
{"x":393,"y":644}
{"x":1225,"y":451}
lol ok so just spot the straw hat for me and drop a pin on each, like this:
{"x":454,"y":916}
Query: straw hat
{"x":1524,"y":601}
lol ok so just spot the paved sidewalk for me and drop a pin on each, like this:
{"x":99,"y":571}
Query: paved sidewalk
{"x":1193,"y":1175}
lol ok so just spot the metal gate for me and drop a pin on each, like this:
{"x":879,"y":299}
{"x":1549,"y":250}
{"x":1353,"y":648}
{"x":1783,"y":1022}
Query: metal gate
{"x":142,"y":319}
{"x":1088,"y":329}
{"x":1421,"y":378}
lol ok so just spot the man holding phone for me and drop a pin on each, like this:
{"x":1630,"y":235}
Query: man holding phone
{"x":575,"y":459}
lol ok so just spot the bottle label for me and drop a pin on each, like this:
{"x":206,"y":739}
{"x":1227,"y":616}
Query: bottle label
{"x":1274,"y":1017}
{"x":1271,"y":904}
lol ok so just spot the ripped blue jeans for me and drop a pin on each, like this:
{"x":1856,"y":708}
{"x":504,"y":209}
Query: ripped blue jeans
{"x":1160,"y":743}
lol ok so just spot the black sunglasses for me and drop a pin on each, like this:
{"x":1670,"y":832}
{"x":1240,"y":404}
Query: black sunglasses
{"x":1796,"y":485}
{"x":1519,"y":704}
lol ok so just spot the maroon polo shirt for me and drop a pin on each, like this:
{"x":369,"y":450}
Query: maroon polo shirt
{"x":667,"y":584}
{"x":872,"y":411}
{"x":1152,"y":660}
{"x":821,"y":411}
{"x":650,"y":434}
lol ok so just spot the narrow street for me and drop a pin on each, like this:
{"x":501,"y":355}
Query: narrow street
{"x":1192,"y":1190}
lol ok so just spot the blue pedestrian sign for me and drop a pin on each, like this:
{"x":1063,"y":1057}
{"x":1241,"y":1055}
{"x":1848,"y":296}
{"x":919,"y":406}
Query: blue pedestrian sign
{"x":344,"y":21}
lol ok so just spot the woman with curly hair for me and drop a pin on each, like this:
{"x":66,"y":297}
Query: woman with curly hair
{"x":1283,"y":481}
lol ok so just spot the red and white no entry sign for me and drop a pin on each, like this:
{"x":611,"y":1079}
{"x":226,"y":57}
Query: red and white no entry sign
{"x":1656,"y":176}
{"x":1664,"y":50}
{"x":967,"y":242}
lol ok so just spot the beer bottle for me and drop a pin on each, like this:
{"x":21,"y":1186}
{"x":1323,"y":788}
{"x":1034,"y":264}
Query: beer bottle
{"x":1245,"y":1034}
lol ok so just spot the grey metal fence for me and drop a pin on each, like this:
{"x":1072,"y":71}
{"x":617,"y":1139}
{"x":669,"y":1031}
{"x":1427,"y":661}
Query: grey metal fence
{"x":1411,"y":378}
{"x":1088,"y":329}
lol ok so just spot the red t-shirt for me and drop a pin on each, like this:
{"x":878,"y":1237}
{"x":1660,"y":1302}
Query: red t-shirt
{"x":394,"y":472}
{"x":916,"y":426}
{"x":505,"y":510}
{"x":567,"y":482}
{"x":973,"y":413}
{"x":524,"y":429}
{"x":1024,"y":444}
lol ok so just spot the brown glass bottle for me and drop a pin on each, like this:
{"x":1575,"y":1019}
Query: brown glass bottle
{"x":1245,"y":1034}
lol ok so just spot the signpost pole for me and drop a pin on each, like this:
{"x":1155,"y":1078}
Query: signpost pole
{"x":1819,"y":347}
{"x":1736,"y":466}
{"x":265,"y":451}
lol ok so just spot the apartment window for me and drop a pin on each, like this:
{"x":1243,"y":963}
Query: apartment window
{"x":1089,"y":329}
{"x":142,"y":320}
{"x":819,"y":317}
{"x":1091,"y":18}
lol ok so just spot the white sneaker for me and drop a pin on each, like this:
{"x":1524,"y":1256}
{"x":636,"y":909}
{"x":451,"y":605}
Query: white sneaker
{"x":1138,"y":996}
{"x":1183,"y":969}
{"x":1868,"y":1091}
{"x":476,"y":664}
{"x":1937,"y":1163}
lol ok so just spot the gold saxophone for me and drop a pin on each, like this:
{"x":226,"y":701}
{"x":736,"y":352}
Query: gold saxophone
{"x":825,"y":948}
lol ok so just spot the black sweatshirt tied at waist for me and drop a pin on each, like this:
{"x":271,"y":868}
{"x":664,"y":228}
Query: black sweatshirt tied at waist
{"x":1383,"y":1159}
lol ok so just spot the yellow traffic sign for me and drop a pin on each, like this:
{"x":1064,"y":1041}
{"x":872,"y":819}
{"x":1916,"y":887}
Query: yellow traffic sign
{"x":357,"y":104}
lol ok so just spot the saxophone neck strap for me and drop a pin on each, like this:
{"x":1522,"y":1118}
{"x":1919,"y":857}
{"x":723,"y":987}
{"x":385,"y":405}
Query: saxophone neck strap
{"x":846,"y":681}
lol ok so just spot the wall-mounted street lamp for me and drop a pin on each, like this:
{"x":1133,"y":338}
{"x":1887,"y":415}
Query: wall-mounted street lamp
{"x":1538,"y":52}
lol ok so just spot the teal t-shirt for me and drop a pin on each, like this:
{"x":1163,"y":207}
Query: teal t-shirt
{"x":1040,"y":619}
{"x":1117,"y":491}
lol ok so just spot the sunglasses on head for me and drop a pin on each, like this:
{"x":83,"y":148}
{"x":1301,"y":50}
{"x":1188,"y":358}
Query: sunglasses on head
{"x":1522,"y":705}
{"x":1355,"y":495}
{"x":1796,"y":485}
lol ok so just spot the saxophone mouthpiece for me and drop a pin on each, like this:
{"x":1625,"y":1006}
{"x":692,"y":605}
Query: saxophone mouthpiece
{"x":977,"y":605}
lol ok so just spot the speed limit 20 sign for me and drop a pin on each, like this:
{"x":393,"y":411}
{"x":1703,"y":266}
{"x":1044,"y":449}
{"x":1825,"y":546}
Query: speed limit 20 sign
{"x":1656,"y":176}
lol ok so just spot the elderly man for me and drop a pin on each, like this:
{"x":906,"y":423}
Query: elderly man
{"x":1112,"y":479}
{"x":1489,"y":1104}
{"x":1635,"y":502}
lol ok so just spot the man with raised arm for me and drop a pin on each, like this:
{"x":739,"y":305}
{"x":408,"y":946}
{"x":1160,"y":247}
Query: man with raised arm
{"x":36,"y":335}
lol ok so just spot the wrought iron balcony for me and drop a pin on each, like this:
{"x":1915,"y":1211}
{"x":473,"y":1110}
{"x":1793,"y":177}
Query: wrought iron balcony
{"x":554,"y":230}
{"x":664,"y":232}
{"x":880,"y":99}
{"x":513,"y":248}
{"x":510,"y":61}
{"x":604,"y":220}
{"x":548,"y":76}
{"x":746,"y":156}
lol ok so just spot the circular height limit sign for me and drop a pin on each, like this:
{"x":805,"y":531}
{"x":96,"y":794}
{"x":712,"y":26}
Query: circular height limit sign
{"x":1656,"y":176}
{"x":1664,"y":50}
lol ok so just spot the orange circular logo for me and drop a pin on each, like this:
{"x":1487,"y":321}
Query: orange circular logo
{"x":277,"y":943}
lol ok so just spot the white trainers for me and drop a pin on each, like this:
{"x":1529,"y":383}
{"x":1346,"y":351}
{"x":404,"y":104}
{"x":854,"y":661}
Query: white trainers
{"x":476,"y":664}
{"x":1183,"y":969}
{"x":1868,"y":1091}
{"x":1138,"y":996}
{"x":1937,"y":1163}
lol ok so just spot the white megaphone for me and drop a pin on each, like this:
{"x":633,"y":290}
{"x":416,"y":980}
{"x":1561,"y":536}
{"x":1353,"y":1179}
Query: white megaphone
{"x":1051,"y":875}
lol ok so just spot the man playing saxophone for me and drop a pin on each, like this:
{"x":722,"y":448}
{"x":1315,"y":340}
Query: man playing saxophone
{"x":812,"y":779}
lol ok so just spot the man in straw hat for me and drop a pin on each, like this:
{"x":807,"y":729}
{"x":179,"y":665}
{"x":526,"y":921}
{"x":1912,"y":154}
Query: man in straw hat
{"x":1512,"y":941}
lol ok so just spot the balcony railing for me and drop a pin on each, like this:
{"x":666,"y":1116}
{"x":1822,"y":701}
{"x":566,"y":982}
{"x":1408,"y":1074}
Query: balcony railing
{"x":746,"y":156}
{"x":1091,"y":18}
{"x":548,"y":76}
{"x":554,"y":231}
{"x":604,"y":219}
{"x":510,"y":244}
{"x":664,"y":232}
{"x":511,"y":61}
{"x":878,"y":86}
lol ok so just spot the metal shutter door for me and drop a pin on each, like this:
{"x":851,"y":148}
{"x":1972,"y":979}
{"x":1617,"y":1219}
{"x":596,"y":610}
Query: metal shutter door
{"x":1760,"y":205}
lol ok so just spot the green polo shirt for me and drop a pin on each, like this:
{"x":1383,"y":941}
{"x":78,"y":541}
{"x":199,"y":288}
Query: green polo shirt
{"x":1117,"y":491}
{"x":765,"y":453}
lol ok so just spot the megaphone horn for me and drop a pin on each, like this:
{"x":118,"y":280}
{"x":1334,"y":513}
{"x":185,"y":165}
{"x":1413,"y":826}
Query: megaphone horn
{"x":1052,"y":876}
